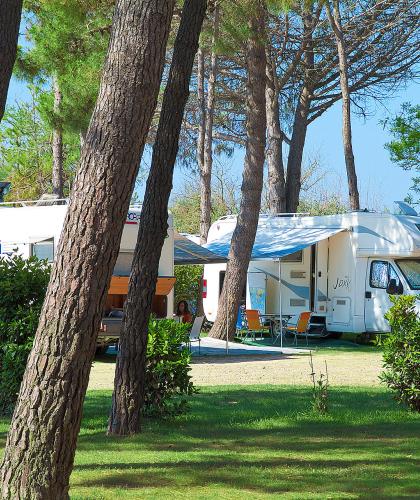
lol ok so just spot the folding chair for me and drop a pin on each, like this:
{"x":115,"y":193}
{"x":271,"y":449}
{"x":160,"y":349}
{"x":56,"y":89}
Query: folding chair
{"x":302,"y":326}
{"x":254,"y":323}
{"x":195,"y":332}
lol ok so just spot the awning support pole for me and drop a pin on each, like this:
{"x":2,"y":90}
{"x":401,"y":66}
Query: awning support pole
{"x":281,"y":307}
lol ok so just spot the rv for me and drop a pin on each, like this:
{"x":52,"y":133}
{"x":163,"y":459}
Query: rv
{"x":342,"y":268}
{"x":34,"y":230}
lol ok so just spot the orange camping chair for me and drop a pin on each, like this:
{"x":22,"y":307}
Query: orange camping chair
{"x":254,"y":323}
{"x":301,"y":327}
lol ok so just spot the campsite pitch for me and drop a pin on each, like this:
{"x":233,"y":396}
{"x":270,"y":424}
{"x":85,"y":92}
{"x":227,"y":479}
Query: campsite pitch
{"x":254,"y":442}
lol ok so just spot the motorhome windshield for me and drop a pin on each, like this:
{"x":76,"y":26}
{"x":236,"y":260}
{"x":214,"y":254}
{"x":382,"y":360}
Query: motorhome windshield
{"x":411,"y":270}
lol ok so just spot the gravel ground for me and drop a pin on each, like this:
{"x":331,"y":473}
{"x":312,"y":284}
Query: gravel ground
{"x":344,"y":368}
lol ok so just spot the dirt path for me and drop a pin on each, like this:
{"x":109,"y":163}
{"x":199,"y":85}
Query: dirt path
{"x":344,"y":368}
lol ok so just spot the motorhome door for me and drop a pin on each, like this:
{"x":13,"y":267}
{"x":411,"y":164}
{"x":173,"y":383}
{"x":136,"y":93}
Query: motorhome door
{"x":377,"y":301}
{"x":256,"y":291}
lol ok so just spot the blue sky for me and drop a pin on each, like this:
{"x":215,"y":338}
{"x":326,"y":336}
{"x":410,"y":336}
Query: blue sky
{"x":380,"y":181}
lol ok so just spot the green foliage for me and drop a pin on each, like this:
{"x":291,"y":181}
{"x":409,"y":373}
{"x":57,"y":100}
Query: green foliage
{"x":67,"y":41}
{"x":405,"y":148}
{"x":402,"y":351}
{"x":167,"y":368}
{"x":187,"y":285}
{"x":320,"y":388}
{"x":327,"y":204}
{"x":25,"y":150}
{"x":23,"y":284}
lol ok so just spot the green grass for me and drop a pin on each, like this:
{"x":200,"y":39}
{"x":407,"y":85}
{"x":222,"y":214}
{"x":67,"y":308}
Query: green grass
{"x":254,"y":442}
{"x":330,"y":345}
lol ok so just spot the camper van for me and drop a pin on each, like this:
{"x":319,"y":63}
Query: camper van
{"x":34,"y":230}
{"x":342,"y":268}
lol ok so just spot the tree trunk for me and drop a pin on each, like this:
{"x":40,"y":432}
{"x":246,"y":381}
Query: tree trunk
{"x":57,"y":146}
{"x":205,"y":174}
{"x":201,"y":108}
{"x":10,"y":15}
{"x":276,"y":181}
{"x":128,"y":394}
{"x":335,"y":22}
{"x":300,"y":124}
{"x":252,"y":181}
{"x":42,"y":439}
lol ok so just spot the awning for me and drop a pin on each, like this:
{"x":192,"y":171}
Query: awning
{"x":272,"y":242}
{"x":119,"y":285}
{"x":188,"y":252}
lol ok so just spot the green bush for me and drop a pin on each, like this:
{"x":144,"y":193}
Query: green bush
{"x":23,"y":284}
{"x":402,"y":351}
{"x":167,"y":368}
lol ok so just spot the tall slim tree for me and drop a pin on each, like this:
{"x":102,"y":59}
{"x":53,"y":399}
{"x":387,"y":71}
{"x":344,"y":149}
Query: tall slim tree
{"x":207,"y":165}
{"x":252,"y":181}
{"x":57,"y":145}
{"x":127,"y":399}
{"x":42,"y":439}
{"x":10,"y":15}
{"x":334,"y":18}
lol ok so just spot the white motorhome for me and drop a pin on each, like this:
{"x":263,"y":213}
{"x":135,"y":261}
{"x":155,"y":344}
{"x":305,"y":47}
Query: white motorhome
{"x":34,"y":230}
{"x":340,"y":267}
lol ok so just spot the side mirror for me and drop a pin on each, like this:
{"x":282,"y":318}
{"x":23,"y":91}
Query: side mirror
{"x":393,"y":288}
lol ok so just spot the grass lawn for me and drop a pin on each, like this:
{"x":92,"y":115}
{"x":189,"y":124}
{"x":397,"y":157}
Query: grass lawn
{"x":254,"y":442}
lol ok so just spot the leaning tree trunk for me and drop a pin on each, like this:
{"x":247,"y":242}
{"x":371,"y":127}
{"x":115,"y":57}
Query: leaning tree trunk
{"x":276,"y":180}
{"x":127,"y":400}
{"x":205,"y":173}
{"x":10,"y":14}
{"x":252,"y":181}
{"x":42,"y":439}
{"x":57,"y":145}
{"x":300,"y":124}
{"x":335,"y":22}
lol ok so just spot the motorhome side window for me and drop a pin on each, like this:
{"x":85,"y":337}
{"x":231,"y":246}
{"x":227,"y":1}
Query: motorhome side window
{"x":44,"y":250}
{"x":293,"y":257}
{"x":380,"y":274}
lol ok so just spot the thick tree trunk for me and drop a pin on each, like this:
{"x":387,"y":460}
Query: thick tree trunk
{"x":300,"y":124}
{"x":205,"y":174}
{"x":57,"y":146}
{"x":252,"y":181}
{"x":42,"y":439}
{"x":276,"y":180}
{"x":10,"y":14}
{"x":128,"y":394}
{"x":335,"y":22}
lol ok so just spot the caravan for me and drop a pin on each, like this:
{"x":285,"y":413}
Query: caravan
{"x":34,"y":230}
{"x":342,"y":268}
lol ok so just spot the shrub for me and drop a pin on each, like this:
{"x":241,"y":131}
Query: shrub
{"x":167,"y":368}
{"x":402,"y":351}
{"x":23,"y":284}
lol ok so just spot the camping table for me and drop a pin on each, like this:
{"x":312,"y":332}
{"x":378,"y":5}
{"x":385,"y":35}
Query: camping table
{"x":274,"y":320}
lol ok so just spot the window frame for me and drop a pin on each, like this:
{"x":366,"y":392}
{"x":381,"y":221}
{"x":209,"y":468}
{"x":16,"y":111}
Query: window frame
{"x":45,"y":242}
{"x":389,"y":267}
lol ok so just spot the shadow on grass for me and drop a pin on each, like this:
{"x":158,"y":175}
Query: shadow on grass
{"x":256,"y":441}
{"x":263,"y":440}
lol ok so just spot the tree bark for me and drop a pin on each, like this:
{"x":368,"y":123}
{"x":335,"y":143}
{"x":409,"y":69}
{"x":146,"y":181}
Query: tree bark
{"x":252,"y":181}
{"x":335,"y":22}
{"x":201,"y":108}
{"x":300,"y":124}
{"x":127,"y":400}
{"x":57,"y":145}
{"x":10,"y":15}
{"x":205,"y":174}
{"x":274,"y":154}
{"x":42,"y":439}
